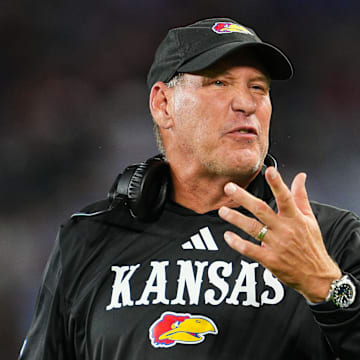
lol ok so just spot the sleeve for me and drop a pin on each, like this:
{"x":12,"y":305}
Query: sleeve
{"x":46,"y":338}
{"x":342,"y":326}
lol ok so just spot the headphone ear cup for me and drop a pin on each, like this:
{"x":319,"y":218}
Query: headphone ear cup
{"x":144,"y":187}
{"x":148,"y":189}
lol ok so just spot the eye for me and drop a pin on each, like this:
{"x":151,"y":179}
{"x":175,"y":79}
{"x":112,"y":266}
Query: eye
{"x":218,"y":83}
{"x":176,"y":324}
{"x":260,"y":88}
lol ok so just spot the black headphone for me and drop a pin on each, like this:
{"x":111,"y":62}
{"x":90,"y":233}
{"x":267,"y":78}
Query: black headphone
{"x":143,"y":187}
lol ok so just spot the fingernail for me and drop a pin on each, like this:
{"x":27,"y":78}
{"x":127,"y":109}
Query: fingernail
{"x":272,"y":173}
{"x":227,"y":237}
{"x":230,"y":188}
{"x":223,"y":211}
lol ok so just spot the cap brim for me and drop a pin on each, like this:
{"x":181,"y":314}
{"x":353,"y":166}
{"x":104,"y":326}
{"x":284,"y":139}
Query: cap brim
{"x":274,"y":61}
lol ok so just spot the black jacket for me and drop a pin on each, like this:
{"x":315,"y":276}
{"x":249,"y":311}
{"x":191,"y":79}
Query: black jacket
{"x":118,"y":288}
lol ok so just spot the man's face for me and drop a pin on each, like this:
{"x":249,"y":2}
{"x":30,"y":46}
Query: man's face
{"x":222,"y":118}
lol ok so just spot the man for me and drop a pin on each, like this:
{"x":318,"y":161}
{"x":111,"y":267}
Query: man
{"x":131,"y":281}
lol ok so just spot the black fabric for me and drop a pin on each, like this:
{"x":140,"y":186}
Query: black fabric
{"x":197,"y":46}
{"x":250,"y":314}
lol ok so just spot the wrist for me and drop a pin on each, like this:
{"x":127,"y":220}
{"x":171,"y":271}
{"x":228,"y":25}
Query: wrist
{"x":321,"y":288}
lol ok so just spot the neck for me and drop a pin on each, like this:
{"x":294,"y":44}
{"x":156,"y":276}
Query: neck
{"x":205,"y":192}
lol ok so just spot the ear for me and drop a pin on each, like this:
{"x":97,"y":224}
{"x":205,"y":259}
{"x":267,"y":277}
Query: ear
{"x":159,"y":103}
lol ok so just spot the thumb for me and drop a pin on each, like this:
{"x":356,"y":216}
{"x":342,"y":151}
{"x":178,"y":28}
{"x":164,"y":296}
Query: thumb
{"x":300,"y":195}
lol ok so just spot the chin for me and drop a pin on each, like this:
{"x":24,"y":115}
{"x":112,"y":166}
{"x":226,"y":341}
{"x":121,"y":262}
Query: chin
{"x":235,"y":169}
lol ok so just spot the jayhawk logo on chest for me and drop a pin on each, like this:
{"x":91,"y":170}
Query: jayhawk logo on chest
{"x":173,"y":328}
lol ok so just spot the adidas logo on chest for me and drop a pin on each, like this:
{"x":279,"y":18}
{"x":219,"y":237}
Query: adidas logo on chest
{"x":203,"y":240}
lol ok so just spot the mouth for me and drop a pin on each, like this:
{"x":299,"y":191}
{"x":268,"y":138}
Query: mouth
{"x":243,"y":133}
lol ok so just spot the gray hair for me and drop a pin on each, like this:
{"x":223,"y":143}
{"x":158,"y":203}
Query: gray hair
{"x":174,"y":81}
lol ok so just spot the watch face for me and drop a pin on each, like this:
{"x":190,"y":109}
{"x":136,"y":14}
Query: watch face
{"x":343,"y":295}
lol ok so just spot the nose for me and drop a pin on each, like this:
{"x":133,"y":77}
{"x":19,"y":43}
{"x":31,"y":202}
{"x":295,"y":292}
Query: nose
{"x":243,"y":100}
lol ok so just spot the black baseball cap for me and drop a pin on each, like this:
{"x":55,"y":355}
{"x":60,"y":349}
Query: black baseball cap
{"x":197,"y":46}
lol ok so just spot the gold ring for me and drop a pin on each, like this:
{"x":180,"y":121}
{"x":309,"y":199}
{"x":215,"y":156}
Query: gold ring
{"x":262,"y":233}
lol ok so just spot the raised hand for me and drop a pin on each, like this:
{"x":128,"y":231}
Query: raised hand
{"x":291,"y":247}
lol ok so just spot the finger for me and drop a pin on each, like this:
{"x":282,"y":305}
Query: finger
{"x":249,"y":225}
{"x":256,"y":206}
{"x":298,"y":189}
{"x":283,"y":196}
{"x":245,"y":247}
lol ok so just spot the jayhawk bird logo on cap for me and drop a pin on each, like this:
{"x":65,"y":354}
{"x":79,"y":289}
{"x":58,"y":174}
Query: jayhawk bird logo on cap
{"x":225,"y":28}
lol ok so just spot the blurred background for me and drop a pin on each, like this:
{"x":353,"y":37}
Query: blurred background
{"x":73,"y":110}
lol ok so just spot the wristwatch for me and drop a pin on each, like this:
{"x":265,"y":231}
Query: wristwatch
{"x":342,"y":292}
